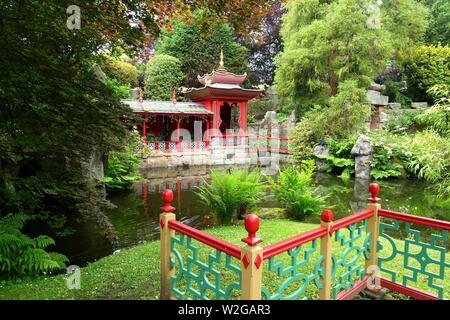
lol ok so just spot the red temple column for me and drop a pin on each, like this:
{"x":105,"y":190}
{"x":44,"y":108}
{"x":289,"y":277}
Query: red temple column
{"x":178,"y":134}
{"x":144,"y":130}
{"x":243,"y":116}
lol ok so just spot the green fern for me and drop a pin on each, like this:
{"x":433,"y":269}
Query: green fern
{"x":21,"y":255}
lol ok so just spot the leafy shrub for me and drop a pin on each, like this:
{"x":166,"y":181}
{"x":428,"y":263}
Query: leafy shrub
{"x":295,"y":191}
{"x":121,"y":167}
{"x":163,"y":75}
{"x":21,"y":255}
{"x":437,"y":117}
{"x":404,"y":121}
{"x":428,"y":156}
{"x":396,"y":93}
{"x":344,"y":116}
{"x":426,"y":67}
{"x":230,"y":192}
{"x":123,"y":72}
{"x":122,"y":91}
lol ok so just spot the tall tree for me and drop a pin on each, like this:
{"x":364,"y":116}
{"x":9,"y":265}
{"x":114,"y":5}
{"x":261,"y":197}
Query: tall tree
{"x":55,"y":112}
{"x":244,"y":15}
{"x":327,"y":42}
{"x":198,"y":45}
{"x":264,"y":45}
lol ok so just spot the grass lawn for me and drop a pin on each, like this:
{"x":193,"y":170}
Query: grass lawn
{"x":134,"y":273}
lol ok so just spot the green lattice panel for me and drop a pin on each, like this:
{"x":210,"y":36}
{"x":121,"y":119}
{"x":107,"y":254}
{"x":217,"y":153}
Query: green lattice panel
{"x":284,"y":144}
{"x":201,"y":272}
{"x":408,"y":257}
{"x":297,"y":273}
{"x":350,"y":250}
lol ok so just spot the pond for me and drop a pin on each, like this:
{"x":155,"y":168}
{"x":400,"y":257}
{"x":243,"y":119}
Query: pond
{"x":136,"y":213}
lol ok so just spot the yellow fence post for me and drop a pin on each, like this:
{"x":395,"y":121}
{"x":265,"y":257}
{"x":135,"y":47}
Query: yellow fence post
{"x":166,"y":234}
{"x":373,"y":225}
{"x":326,"y":250}
{"x":251,"y":261}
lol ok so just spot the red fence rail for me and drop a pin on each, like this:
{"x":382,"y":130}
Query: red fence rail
{"x":207,"y":239}
{"x":282,"y":246}
{"x":439,"y":224}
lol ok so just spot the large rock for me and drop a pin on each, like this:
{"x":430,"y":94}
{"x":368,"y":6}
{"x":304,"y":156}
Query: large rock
{"x":362,"y":146}
{"x":319,"y":152}
{"x":395,"y":106}
{"x":419,"y":105}
{"x":362,"y":150}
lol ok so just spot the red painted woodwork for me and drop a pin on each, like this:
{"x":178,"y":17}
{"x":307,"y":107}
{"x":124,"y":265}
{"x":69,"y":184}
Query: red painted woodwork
{"x":258,"y":261}
{"x":351,"y":219}
{"x":207,"y":239}
{"x":374,"y":189}
{"x":410,"y":292}
{"x":327,"y":216}
{"x":440,"y":224}
{"x":282,"y":246}
{"x":245,"y":261}
{"x":359,"y":286}
{"x":167,"y":196}
{"x":252,"y":226}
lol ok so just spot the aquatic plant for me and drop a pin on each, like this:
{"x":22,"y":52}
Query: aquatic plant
{"x":296,"y":192}
{"x":231,"y":192}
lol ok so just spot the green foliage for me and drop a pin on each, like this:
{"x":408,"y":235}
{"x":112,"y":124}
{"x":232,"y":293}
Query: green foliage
{"x":428,"y":156}
{"x":404,"y":121}
{"x":345,"y":116}
{"x":425,"y":67}
{"x":438,"y":116}
{"x":258,"y":107}
{"x":295,"y":191}
{"x":163,"y":75}
{"x":327,"y":42}
{"x":438,"y":30}
{"x":122,"y":91}
{"x":199,"y":52}
{"x":395,"y":93}
{"x":121,"y":169}
{"x":123,"y":72}
{"x":231,"y":191}
{"x":21,"y":255}
{"x":55,"y":110}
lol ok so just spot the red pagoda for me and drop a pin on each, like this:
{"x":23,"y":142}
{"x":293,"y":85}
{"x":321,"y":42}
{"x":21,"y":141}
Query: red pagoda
{"x":221,"y":104}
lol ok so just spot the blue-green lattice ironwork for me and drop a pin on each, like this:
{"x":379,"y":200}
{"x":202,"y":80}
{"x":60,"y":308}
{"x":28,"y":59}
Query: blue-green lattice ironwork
{"x":301,"y":267}
{"x":217,"y":278}
{"x":258,"y":143}
{"x":419,"y":258}
{"x":348,"y":267}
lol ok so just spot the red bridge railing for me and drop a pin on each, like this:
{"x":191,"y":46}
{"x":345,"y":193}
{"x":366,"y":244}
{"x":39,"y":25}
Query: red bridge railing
{"x":370,"y":249}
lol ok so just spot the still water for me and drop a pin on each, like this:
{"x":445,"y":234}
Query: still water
{"x":136,"y":214}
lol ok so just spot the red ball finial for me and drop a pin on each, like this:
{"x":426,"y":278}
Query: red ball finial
{"x":374,"y":189}
{"x":167,"y":196}
{"x":252,"y":226}
{"x":327,"y":215}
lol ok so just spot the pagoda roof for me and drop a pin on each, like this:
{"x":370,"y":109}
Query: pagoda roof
{"x":222,"y":76}
{"x":222,"y":90}
{"x":166,"y":107}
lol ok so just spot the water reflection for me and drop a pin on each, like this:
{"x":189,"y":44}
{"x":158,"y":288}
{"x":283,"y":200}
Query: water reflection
{"x":136,"y":216}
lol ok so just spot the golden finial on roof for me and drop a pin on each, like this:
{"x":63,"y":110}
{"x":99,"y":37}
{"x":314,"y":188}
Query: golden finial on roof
{"x":221,"y":66}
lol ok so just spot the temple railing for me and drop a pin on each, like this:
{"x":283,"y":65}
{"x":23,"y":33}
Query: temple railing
{"x":173,"y":146}
{"x":335,"y":261}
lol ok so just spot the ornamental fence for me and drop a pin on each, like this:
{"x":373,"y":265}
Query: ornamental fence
{"x":370,"y":249}
{"x":253,"y":143}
